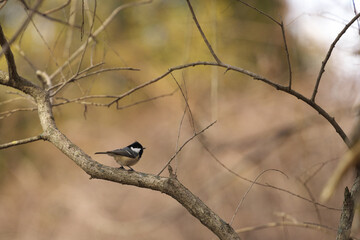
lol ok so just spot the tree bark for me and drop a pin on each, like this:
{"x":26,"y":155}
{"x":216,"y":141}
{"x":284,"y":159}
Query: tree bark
{"x":168,"y":185}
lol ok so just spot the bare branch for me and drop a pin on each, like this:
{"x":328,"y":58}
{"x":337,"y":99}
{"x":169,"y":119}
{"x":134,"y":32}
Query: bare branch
{"x":261,"y":12}
{"x":44,"y":78}
{"x":287,"y":53}
{"x":57,"y":8}
{"x":187,"y":104}
{"x":22,"y":141}
{"x":170,"y":186}
{"x":314,"y":226}
{"x":314,"y":200}
{"x":255,"y":76}
{"x":279,"y":87}
{"x":10,"y":112}
{"x":248,"y":190}
{"x":202,"y":33}
{"x":83,"y":74}
{"x":97,"y":32}
{"x":13,"y":75}
{"x":80,"y":100}
{"x":3,"y":3}
{"x":20,"y":29}
{"x":281,"y":24}
{"x":146,"y":100}
{"x":82,"y":32}
{"x":264,"y":184}
{"x":191,"y":118}
{"x":347,"y":216}
{"x":184,"y":144}
{"x":327,"y":57}
{"x":45,"y":15}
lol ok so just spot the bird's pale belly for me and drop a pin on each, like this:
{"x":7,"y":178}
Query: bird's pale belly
{"x":125,"y":161}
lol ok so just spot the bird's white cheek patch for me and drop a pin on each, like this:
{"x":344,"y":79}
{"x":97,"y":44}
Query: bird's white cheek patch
{"x":137,"y":150}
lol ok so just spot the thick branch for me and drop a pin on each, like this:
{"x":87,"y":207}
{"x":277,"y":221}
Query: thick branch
{"x":170,"y":186}
{"x":13,"y":79}
{"x":347,"y":216}
{"x":13,"y":75}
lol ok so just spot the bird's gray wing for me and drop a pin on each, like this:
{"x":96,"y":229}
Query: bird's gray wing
{"x":122,"y":152}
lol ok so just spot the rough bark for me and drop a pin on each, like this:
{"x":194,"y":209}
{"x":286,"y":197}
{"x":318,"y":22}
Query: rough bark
{"x":168,"y":185}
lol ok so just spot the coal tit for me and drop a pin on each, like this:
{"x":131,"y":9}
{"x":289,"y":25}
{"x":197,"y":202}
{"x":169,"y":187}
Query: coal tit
{"x":126,"y":156}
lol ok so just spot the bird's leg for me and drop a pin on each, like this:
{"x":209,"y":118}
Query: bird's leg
{"x":121,"y":167}
{"x":130,"y":169}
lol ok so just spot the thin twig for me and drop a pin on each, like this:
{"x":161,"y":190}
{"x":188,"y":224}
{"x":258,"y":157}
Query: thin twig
{"x":328,"y":54}
{"x":82,"y":28}
{"x":281,"y":24}
{"x":186,"y":102}
{"x":90,"y":33}
{"x":287,"y":54}
{"x":178,"y":138}
{"x":255,"y":76}
{"x":11,"y":100}
{"x":146,"y":100}
{"x":10,"y":112}
{"x":45,"y":15}
{"x":263,"y":184}
{"x":261,"y":12}
{"x":83,"y":74}
{"x":182,"y":146}
{"x":106,"y":70}
{"x":57,"y":8}
{"x":3,"y":3}
{"x":202,"y":33}
{"x":287,"y":223}
{"x":355,"y":12}
{"x":191,"y":117}
{"x":248,"y":190}
{"x":279,"y":87}
{"x":22,"y":53}
{"x":52,"y":55}
{"x":21,"y":28}
{"x":97,"y":32}
{"x":80,"y":100}
{"x":62,"y":84}
{"x":22,"y":141}
{"x":313,"y":199}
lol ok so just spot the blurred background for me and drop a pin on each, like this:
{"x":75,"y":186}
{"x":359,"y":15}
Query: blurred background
{"x":44,"y":195}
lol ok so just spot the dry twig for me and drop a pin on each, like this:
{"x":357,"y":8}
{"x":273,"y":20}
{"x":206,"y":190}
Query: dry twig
{"x":328,"y":54}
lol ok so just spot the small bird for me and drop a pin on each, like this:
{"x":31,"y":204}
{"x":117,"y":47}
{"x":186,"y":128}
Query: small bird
{"x":126,"y":156}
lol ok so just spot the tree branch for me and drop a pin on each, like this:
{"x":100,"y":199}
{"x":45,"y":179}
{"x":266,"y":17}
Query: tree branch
{"x":346,"y":218}
{"x":255,"y":76}
{"x":186,"y":142}
{"x":22,"y":141}
{"x":20,"y":29}
{"x":286,"y":223}
{"x":202,"y":33}
{"x":332,"y":46}
{"x":170,"y":186}
{"x":97,"y":32}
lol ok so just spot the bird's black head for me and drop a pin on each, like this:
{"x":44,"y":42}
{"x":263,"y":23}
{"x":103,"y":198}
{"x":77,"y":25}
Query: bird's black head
{"x":137,"y":145}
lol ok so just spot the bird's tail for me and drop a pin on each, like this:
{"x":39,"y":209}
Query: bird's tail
{"x":101,"y":153}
